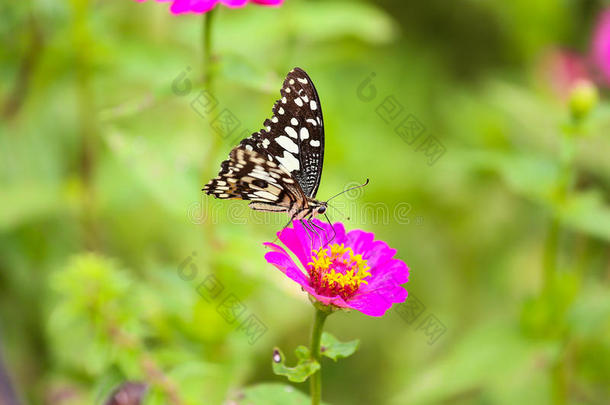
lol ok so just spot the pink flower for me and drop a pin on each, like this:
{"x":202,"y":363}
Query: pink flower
{"x":203,"y":6}
{"x":601,"y":45}
{"x":563,"y":69}
{"x":352,"y":271}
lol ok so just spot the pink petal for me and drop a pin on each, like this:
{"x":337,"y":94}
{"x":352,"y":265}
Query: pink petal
{"x":359,"y":240}
{"x":336,"y":300}
{"x":234,"y":3}
{"x":297,"y":240}
{"x":180,"y":6}
{"x":393,"y":272}
{"x":274,"y":3}
{"x":331,"y":234}
{"x":202,"y":6}
{"x":283,"y":262}
{"x":377,"y":254}
{"x":562,"y":69}
{"x":601,"y":44}
{"x":301,"y":241}
{"x":378,"y":302}
{"x":383,"y":289}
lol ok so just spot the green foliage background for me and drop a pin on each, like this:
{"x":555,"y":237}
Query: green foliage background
{"x":101,"y":167}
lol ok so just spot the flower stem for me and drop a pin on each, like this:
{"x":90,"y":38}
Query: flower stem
{"x":559,"y":371}
{"x":550,"y":253}
{"x":86,"y":118}
{"x":315,"y":386}
{"x":566,"y":176}
{"x":208,"y":70}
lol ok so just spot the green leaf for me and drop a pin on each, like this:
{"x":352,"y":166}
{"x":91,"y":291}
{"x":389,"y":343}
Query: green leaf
{"x":332,"y":348}
{"x":586,"y":212}
{"x":299,"y":373}
{"x":327,"y":21}
{"x":271,"y":394}
{"x":470,"y":366}
{"x":27,"y":201}
{"x":545,"y":315}
{"x":535,"y":178}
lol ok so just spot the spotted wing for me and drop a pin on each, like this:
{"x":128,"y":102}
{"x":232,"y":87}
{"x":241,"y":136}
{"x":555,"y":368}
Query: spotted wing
{"x":294,"y":136}
{"x":247,"y":175}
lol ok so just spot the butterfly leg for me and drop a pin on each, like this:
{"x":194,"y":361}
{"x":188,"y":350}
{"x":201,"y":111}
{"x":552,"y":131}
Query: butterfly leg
{"x":332,"y":227}
{"x":310,"y":231}
{"x":314,"y":226}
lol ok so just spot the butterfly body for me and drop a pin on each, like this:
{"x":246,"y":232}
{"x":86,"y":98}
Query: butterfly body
{"x":279,"y":168}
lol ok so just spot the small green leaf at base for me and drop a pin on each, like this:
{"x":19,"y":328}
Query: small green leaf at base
{"x":332,"y":348}
{"x":299,"y":373}
{"x":270,"y":394}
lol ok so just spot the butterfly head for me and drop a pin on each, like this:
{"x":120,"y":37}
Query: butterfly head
{"x":317,"y":207}
{"x":321,"y":209}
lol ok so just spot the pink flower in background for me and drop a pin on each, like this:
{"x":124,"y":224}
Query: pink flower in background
{"x":352,"y":271}
{"x":203,"y":6}
{"x":563,"y":69}
{"x":601,"y":45}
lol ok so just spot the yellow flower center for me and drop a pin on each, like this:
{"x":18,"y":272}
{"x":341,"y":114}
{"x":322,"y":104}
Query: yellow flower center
{"x":338,"y":272}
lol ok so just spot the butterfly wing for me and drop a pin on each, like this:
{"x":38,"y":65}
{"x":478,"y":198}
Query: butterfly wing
{"x":247,"y":175}
{"x":294,"y":136}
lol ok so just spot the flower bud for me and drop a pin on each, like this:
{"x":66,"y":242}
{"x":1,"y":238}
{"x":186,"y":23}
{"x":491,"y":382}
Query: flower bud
{"x":583,"y":98}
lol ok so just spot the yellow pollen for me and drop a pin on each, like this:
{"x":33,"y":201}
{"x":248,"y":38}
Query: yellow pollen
{"x":323,"y":265}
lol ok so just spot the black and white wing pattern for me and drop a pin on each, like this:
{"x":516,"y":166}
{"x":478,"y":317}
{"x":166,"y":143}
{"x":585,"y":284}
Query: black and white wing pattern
{"x":294,"y":136}
{"x":247,"y":175}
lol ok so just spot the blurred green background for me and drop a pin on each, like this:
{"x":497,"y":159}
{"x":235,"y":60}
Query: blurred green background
{"x":102,"y":161}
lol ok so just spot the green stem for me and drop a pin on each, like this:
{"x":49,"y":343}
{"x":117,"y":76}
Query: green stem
{"x":550,"y":252}
{"x":208,"y":68}
{"x":559,"y":371}
{"x":566,"y":175}
{"x":86,"y":118}
{"x":316,"y":336}
{"x":209,"y":72}
{"x":559,"y":376}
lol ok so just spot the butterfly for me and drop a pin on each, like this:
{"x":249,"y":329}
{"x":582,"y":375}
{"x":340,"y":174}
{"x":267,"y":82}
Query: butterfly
{"x":279,"y":167}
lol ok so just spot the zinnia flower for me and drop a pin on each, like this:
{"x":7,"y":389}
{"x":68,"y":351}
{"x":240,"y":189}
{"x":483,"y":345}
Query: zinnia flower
{"x":203,"y":6}
{"x":601,"y":45}
{"x":352,"y":271}
{"x":563,"y":69}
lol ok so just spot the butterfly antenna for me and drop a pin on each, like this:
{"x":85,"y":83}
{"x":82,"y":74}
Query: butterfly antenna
{"x":349,"y":189}
{"x":340,"y":213}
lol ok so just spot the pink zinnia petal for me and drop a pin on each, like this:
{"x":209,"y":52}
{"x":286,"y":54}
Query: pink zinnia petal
{"x":280,"y":259}
{"x":378,"y":302}
{"x":601,"y":45}
{"x":275,"y":3}
{"x":392,"y":272}
{"x":296,"y":240}
{"x":563,"y":69}
{"x":234,"y":3}
{"x":180,"y":6}
{"x":203,"y":6}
